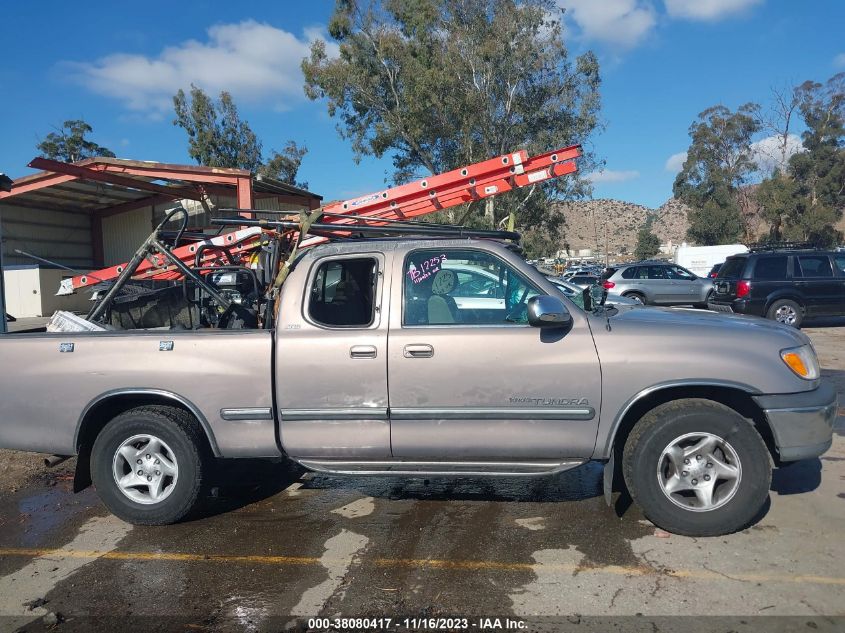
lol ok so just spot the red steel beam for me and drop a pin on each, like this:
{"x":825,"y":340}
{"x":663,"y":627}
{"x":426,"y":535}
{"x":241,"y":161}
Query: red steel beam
{"x":167,"y":174}
{"x":245,"y":196}
{"x":32,"y":185}
{"x":87,"y":173}
{"x":221,"y":175}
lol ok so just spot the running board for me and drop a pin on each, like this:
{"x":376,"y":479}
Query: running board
{"x":439,"y":468}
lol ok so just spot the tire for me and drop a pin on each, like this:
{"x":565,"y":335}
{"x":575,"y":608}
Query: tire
{"x":177,"y":452}
{"x":650,"y":474}
{"x":786,"y":311}
{"x":636,"y":296}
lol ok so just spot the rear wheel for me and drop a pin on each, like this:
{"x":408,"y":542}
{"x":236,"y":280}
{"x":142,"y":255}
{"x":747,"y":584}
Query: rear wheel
{"x":707,"y":300}
{"x":147,"y":465}
{"x":787,"y":312}
{"x":697,"y":467}
{"x":636,"y":296}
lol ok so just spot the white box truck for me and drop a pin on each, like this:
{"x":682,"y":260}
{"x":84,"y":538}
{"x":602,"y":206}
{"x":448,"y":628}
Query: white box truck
{"x":700,"y":259}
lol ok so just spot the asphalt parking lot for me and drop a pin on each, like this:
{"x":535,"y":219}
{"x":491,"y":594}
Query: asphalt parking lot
{"x":275,"y":542}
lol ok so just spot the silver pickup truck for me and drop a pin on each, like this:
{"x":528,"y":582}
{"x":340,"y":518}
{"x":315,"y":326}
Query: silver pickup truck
{"x":429,"y":357}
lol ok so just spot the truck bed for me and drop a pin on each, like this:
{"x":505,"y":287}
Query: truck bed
{"x":52,"y":381}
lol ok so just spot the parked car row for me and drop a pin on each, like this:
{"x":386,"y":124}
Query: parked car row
{"x":775,"y":283}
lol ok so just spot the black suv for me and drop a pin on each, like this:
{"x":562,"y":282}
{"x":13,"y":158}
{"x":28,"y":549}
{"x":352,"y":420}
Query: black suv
{"x":783,"y":285}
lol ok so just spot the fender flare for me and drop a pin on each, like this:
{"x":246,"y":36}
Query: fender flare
{"x":160,"y":394}
{"x":610,"y":441}
{"x":786,"y":293}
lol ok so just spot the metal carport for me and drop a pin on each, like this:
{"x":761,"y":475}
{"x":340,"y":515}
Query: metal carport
{"x":85,"y":214}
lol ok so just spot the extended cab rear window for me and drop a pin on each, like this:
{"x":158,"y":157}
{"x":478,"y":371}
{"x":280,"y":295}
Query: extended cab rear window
{"x":342,"y":292}
{"x":732,"y":268}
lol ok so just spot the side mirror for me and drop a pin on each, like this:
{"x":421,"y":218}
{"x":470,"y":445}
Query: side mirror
{"x":547,"y":311}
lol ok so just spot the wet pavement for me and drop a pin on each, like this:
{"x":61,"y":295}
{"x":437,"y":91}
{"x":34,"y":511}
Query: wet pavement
{"x":308,"y":546}
{"x":546,"y":551}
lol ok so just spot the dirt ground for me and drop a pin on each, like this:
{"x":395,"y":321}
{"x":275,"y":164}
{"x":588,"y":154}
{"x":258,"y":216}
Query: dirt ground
{"x":545,"y":554}
{"x":19,"y":470}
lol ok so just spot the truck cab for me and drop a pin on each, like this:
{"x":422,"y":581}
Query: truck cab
{"x":432,"y":361}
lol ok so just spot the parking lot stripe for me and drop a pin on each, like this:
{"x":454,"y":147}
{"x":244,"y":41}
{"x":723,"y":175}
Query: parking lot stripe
{"x":41,"y":574}
{"x":466,"y":565}
{"x":163,"y":556}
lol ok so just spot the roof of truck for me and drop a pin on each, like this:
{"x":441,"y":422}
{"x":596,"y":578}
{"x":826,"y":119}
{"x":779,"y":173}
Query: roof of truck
{"x":359,"y":244}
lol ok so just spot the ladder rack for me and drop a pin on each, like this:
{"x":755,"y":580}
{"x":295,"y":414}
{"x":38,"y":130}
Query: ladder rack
{"x":477,"y":181}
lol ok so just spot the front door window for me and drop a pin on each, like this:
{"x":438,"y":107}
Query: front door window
{"x":463,"y":287}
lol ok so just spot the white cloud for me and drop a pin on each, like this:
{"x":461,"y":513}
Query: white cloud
{"x":608,"y":176}
{"x":619,"y":23}
{"x":708,"y":10}
{"x":771,"y":153}
{"x":839,"y":61}
{"x":254,"y":61}
{"x":675,"y":162}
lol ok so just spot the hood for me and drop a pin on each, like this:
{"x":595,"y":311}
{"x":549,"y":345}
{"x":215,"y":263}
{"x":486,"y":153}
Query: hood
{"x":652,"y":346}
{"x":706,"y":322}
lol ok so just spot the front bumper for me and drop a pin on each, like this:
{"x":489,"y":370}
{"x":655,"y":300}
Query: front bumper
{"x":801,"y":423}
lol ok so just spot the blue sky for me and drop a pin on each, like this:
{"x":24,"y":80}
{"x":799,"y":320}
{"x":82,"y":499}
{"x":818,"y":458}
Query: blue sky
{"x":663,"y":61}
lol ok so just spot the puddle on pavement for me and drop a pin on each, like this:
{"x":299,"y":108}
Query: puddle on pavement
{"x":41,"y":514}
{"x":46,"y":511}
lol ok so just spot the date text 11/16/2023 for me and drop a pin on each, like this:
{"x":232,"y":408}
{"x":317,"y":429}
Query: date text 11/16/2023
{"x":418,"y":624}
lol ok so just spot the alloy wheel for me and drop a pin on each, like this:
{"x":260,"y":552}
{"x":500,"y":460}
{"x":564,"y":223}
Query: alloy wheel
{"x":699,"y":471}
{"x":145,"y":469}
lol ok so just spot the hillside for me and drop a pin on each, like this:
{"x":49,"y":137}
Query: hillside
{"x":585,"y":223}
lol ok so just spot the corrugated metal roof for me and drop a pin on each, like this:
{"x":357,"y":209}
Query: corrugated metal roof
{"x":60,"y":192}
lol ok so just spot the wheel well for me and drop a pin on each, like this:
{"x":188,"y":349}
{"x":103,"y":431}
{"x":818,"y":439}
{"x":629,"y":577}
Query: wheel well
{"x":794,"y":298}
{"x":738,"y":400}
{"x":103,"y":411}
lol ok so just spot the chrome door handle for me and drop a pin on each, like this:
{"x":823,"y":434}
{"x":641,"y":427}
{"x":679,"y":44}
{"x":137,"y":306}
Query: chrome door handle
{"x":420,"y":350}
{"x":362,"y":351}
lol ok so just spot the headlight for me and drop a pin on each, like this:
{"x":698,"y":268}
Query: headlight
{"x":801,"y":360}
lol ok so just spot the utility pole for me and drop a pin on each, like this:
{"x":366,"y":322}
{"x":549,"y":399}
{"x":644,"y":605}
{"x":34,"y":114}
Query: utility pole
{"x":606,"y":247}
{"x":5,"y":185}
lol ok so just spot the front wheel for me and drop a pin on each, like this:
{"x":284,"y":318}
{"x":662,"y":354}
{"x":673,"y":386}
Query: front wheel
{"x":697,"y":468}
{"x":147,"y":465}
